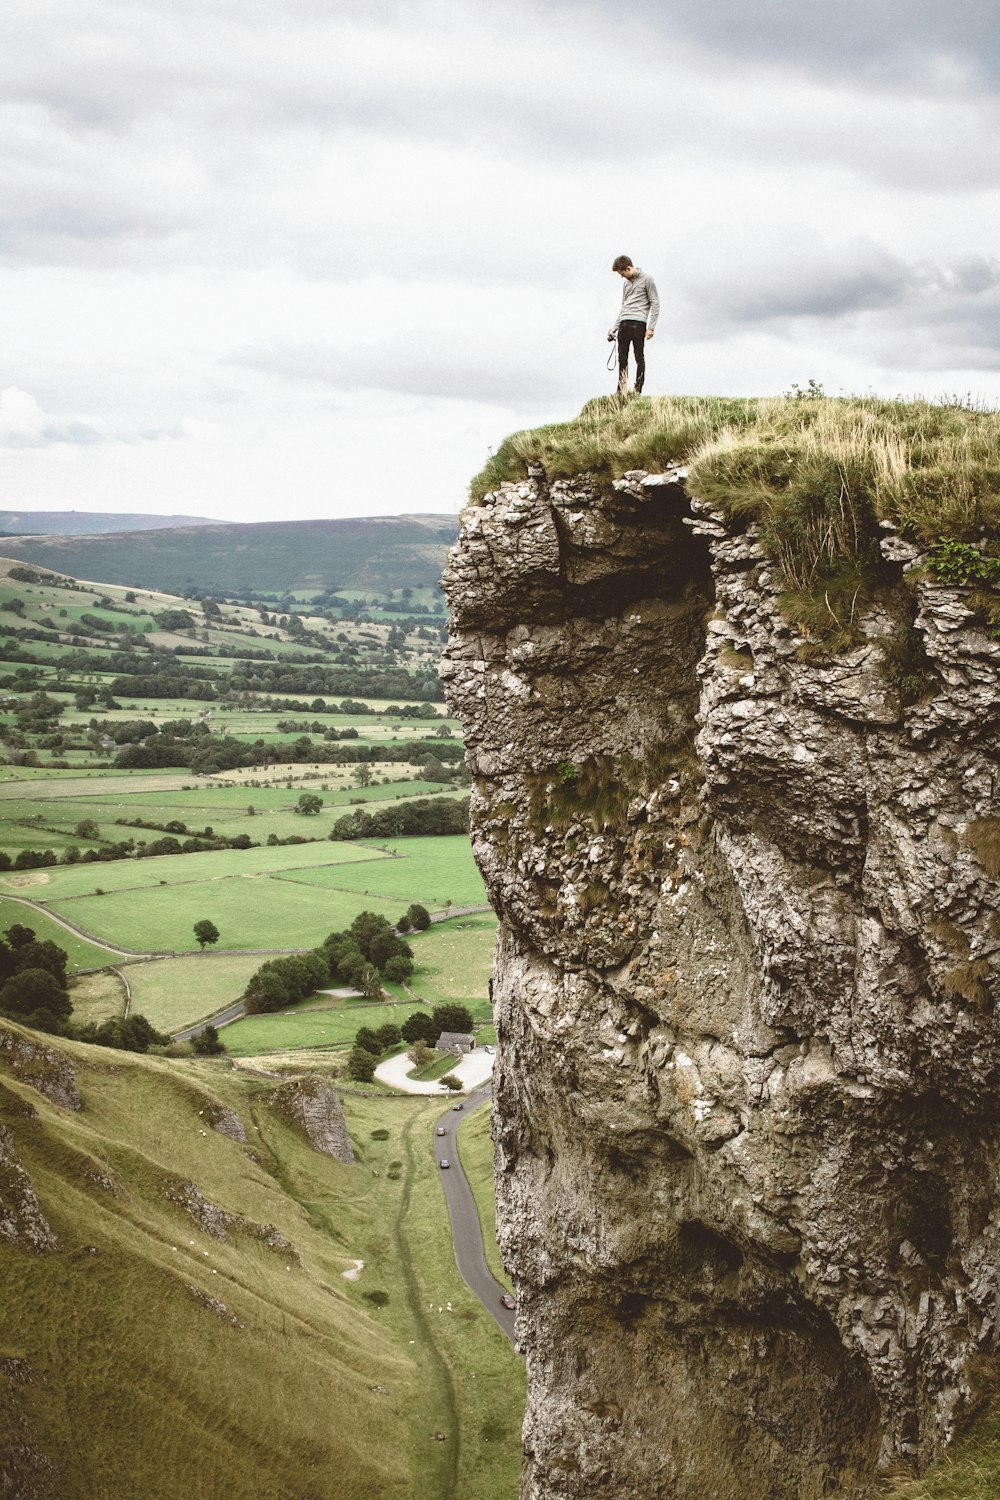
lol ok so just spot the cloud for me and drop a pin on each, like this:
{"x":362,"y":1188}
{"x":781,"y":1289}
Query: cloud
{"x":24,"y":424}
{"x":299,"y":233}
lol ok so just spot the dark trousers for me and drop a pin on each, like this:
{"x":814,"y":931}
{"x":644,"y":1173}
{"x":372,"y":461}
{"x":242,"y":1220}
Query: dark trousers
{"x":631,"y":333}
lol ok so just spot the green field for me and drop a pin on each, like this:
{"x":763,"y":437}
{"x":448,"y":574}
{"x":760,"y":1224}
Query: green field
{"x":442,"y":869}
{"x":224,"y":809}
{"x":66,"y":883}
{"x":97,"y":997}
{"x":82,"y":955}
{"x":250,"y":912}
{"x":454,"y":960}
{"x":312,"y":1027}
{"x":174,"y":992}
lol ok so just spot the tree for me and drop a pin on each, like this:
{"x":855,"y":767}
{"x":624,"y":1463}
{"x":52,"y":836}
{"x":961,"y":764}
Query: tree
{"x":360,"y":1065}
{"x":452,"y":1017}
{"x":266,"y":991}
{"x":419,"y":1026}
{"x":398,"y":969}
{"x":131,"y":1034}
{"x":389,"y":1035}
{"x":371,"y":982}
{"x":420,"y":917}
{"x":36,"y":998}
{"x":87,"y":829}
{"x":365,"y":1037}
{"x":309,"y":804}
{"x":206,"y":932}
{"x":420,"y":1053}
{"x":208,"y":1043}
{"x":449,"y":1081}
{"x":404,"y":924}
{"x":362,"y":774}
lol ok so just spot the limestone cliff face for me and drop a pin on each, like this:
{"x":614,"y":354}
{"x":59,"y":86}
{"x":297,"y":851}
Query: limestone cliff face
{"x":747,"y":1128}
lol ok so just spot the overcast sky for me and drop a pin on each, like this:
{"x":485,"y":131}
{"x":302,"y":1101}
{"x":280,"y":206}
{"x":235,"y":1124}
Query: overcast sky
{"x":314,"y":259}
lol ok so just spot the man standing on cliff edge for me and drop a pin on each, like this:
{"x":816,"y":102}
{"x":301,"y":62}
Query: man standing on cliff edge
{"x":636,"y":321}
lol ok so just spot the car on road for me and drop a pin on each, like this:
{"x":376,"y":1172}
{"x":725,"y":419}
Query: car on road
{"x":458,"y":1106}
{"x":444,"y":1163}
{"x":440,"y":1130}
{"x":507,"y":1301}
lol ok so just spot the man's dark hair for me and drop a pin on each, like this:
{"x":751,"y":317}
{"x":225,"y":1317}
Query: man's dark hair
{"x":621,"y":263}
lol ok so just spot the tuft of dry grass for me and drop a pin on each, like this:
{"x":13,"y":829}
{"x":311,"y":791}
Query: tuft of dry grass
{"x":983,"y":838}
{"x":816,"y":474}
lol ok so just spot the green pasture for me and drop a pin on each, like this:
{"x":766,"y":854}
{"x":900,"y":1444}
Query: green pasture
{"x":82,"y":954}
{"x":45,"y":784}
{"x":299,"y":1027}
{"x":66,"y":882}
{"x":439,"y":869}
{"x":175,"y":992}
{"x":24,"y":826}
{"x":97,"y":997}
{"x":259,"y":913}
{"x":454,"y":960}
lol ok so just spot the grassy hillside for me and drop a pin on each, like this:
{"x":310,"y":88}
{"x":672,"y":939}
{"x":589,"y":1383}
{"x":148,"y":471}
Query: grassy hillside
{"x":146,"y":1356}
{"x":87,"y":523}
{"x":373,"y":553}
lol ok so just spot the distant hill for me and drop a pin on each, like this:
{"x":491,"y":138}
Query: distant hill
{"x":373,"y":553}
{"x":88,"y":523}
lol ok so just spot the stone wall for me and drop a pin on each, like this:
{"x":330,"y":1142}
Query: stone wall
{"x":746,"y":1123}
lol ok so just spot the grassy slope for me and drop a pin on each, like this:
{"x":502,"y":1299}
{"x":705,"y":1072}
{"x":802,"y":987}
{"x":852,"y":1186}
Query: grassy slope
{"x":285,"y":1405}
{"x":454,"y":961}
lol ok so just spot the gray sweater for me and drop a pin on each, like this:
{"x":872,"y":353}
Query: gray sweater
{"x":640,"y":300}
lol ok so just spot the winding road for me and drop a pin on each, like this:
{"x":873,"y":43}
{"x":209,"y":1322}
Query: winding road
{"x":466,"y":1231}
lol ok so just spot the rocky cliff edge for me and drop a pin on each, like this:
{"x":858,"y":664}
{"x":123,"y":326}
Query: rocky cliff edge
{"x":746,"y":1096}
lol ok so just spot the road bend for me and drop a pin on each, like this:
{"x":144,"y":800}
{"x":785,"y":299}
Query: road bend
{"x":466,"y":1231}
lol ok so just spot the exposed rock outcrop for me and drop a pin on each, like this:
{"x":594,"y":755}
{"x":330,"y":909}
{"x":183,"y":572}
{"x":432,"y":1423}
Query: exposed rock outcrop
{"x":22,"y":1222}
{"x":316,"y":1107}
{"x":226,"y":1121}
{"x":220,"y":1223}
{"x":747,"y":1137}
{"x":45,"y":1069}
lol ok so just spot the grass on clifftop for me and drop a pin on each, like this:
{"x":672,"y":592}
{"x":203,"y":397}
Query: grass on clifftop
{"x":817,"y":473}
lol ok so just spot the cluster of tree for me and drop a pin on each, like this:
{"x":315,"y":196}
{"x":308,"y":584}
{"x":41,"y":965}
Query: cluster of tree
{"x":206,"y":754}
{"x":34,"y":992}
{"x":43,"y":859}
{"x":416,"y":918}
{"x":421,"y":1028}
{"x":368,"y":951}
{"x":125,"y":1033}
{"x":361,"y":956}
{"x":283,"y":981}
{"x":420,"y":685}
{"x":426,"y":815}
{"x":33,"y":981}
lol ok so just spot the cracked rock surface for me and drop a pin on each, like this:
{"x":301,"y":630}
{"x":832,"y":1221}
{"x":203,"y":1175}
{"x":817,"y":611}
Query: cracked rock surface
{"x":746,"y":1124}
